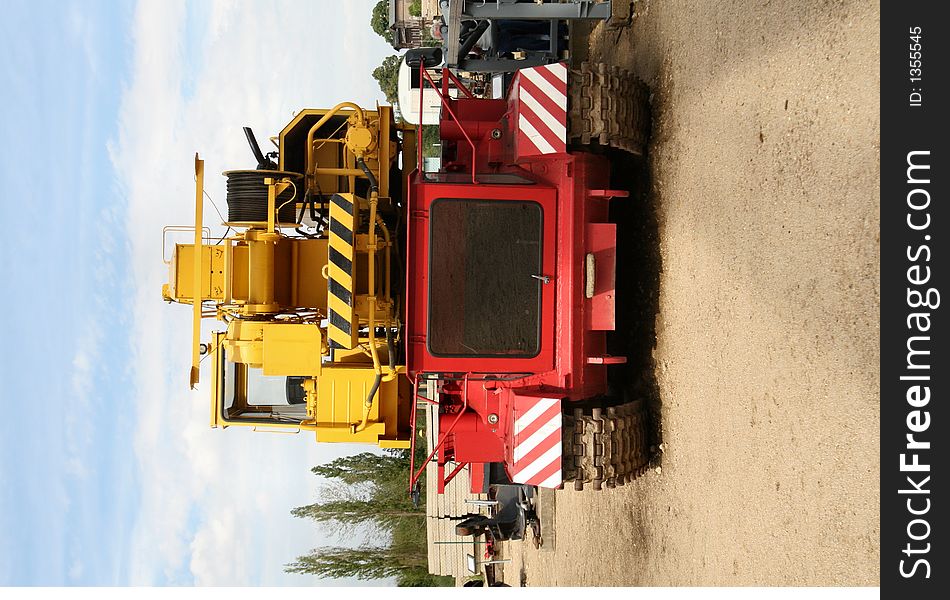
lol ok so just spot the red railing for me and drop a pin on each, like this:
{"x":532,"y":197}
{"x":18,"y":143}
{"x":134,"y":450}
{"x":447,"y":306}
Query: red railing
{"x":423,"y":77}
{"x":452,"y":475}
{"x":457,"y":82}
{"x":412,"y":426}
{"x":443,"y":435}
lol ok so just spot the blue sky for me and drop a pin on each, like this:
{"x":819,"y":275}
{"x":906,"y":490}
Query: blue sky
{"x":109,"y":473}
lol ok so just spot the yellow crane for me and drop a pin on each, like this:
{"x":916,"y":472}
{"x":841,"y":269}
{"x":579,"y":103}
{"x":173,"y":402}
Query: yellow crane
{"x":307,"y":314}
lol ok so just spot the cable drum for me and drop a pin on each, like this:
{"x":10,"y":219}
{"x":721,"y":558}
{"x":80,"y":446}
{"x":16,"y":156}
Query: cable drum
{"x":247,"y":196}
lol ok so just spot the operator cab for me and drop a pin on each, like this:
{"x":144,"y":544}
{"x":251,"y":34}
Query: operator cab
{"x":248,"y":397}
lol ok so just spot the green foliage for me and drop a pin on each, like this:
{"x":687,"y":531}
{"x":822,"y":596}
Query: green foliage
{"x":351,"y":512}
{"x":428,"y":41}
{"x":365,"y":562}
{"x":387,"y":75}
{"x":370,"y":489}
{"x":367,"y":467}
{"x":380,"y":20}
{"x":415,"y":8}
{"x":387,"y":501}
{"x":431,"y":141}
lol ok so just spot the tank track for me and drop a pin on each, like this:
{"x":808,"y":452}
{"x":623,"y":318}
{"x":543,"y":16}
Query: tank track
{"x":610,"y":446}
{"x":608,"y":106}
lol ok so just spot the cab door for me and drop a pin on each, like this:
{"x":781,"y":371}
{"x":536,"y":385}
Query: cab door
{"x":481,"y":279}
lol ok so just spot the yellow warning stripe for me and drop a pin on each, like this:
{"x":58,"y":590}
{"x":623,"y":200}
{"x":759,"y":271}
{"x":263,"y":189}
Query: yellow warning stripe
{"x":343,"y":325}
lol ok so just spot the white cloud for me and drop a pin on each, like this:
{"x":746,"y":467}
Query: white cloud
{"x":213,"y":560}
{"x":77,"y":428}
{"x":214,"y":504}
{"x":76,"y":570}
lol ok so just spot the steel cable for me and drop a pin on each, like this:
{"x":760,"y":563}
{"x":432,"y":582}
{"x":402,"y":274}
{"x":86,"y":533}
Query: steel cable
{"x":247,"y":197}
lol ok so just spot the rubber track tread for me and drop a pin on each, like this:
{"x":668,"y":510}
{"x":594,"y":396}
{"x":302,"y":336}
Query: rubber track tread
{"x":608,"y":447}
{"x":608,"y":106}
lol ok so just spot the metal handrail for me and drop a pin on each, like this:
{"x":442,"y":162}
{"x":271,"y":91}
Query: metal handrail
{"x":452,"y":475}
{"x":424,"y":74}
{"x":205,"y":236}
{"x":412,"y":432}
{"x":361,"y":118}
{"x":443,"y":435}
{"x":458,"y":82}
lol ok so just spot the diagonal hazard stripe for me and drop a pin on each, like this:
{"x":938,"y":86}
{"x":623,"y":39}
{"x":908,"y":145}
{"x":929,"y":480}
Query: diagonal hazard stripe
{"x":343,"y":203}
{"x":538,"y":411}
{"x":558,"y":71}
{"x":534,"y":437}
{"x":555,"y":480}
{"x":545,"y":123}
{"x":342,"y":249}
{"x":529,"y":131}
{"x":528,"y":444}
{"x":555,"y":94}
{"x":551,"y":77}
{"x":342,"y":308}
{"x":553,"y":439}
{"x":550,"y":473}
{"x":341,"y":231}
{"x":558,"y":111}
{"x":543,"y":462}
{"x":340,"y":291}
{"x":526,"y":146}
{"x":340,"y":323}
{"x":341,"y":261}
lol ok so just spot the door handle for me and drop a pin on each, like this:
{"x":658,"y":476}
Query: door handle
{"x":542,"y":278}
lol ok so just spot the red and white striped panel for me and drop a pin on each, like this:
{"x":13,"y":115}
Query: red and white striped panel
{"x":542,"y":119}
{"x":537,"y":451}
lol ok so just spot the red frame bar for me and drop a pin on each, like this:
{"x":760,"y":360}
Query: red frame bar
{"x":458,"y":83}
{"x":423,"y":77}
{"x":452,"y":475}
{"x":443,"y":435}
{"x":412,"y":434}
{"x":412,"y":421}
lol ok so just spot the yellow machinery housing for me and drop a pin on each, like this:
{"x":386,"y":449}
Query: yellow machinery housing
{"x":312,"y":326}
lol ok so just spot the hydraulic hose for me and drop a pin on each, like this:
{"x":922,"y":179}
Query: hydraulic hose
{"x":373,"y":201}
{"x":378,"y":222}
{"x":368,"y":405}
{"x":392,"y":350}
{"x":373,"y":185}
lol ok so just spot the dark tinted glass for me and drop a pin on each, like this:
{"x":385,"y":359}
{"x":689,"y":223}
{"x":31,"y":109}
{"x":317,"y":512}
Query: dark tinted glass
{"x":483,"y":297}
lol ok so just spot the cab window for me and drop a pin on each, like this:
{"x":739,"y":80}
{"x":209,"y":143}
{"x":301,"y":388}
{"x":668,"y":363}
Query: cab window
{"x":251,"y":396}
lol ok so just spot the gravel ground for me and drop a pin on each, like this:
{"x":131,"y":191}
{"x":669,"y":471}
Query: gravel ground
{"x":759,"y":223}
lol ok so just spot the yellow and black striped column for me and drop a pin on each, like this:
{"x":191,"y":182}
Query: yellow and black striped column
{"x":343,"y":326}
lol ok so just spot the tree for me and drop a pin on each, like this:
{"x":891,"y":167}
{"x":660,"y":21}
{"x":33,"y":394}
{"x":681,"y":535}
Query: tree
{"x":370,"y":488}
{"x":415,"y":8}
{"x":351,"y":512}
{"x":430,"y":137}
{"x":366,"y":467}
{"x":387,"y":75}
{"x":365,"y":562}
{"x":386,"y":503}
{"x":380,"y":20}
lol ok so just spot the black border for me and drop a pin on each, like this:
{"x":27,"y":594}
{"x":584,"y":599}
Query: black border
{"x":538,"y":340}
{"x":906,"y":128}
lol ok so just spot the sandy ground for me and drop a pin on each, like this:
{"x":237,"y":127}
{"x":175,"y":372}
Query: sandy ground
{"x":763,"y":206}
